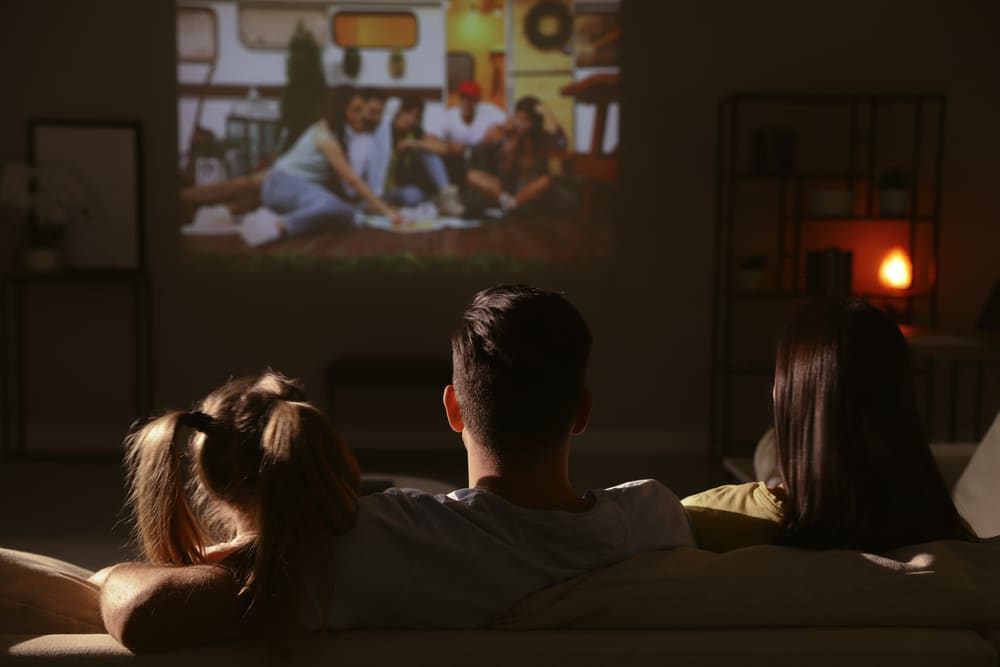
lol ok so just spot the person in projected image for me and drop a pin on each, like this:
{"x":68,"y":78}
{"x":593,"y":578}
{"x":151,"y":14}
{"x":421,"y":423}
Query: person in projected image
{"x":279,"y":491}
{"x":317,"y":184}
{"x":324,"y":181}
{"x":409,"y":167}
{"x":513,"y":172}
{"x":854,"y":467}
{"x":466,"y":124}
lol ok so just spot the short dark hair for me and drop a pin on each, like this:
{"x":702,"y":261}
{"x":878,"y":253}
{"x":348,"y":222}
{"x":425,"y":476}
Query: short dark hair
{"x":408,"y":102}
{"x":371,"y":93}
{"x":519,"y":367}
{"x":851,"y":449}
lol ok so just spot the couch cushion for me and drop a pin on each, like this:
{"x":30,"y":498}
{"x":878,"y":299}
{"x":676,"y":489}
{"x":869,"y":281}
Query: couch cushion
{"x":816,"y":647}
{"x":977,"y":493}
{"x":945,"y":584}
{"x":40,"y":595}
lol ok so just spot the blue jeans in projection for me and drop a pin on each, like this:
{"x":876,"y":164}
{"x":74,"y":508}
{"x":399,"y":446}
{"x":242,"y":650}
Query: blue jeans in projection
{"x":410,"y":194}
{"x":304,"y":206}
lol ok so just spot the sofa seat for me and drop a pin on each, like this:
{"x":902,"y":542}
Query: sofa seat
{"x":931,"y":604}
{"x":816,"y":647}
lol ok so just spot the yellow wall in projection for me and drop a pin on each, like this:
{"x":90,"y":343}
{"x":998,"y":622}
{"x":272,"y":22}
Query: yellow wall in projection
{"x":542,"y":73}
{"x":478,"y":28}
{"x":529,"y":58}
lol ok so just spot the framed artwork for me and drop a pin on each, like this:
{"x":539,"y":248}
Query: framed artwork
{"x":100,"y":161}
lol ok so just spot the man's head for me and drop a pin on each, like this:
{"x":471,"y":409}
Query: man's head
{"x":469,"y":93}
{"x":519,"y":367}
{"x":374,"y":107}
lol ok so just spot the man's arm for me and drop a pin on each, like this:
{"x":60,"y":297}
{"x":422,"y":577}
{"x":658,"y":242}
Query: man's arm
{"x":153,"y":608}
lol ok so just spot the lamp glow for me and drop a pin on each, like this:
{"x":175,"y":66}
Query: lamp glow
{"x":896,"y":271}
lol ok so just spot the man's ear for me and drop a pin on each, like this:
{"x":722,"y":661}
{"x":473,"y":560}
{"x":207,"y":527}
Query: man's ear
{"x":582,"y":417}
{"x":451,"y":409}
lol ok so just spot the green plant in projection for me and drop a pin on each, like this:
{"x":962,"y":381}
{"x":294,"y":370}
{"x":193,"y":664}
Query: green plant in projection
{"x":304,"y":95}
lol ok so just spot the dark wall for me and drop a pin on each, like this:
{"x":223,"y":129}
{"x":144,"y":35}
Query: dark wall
{"x":651,"y":315}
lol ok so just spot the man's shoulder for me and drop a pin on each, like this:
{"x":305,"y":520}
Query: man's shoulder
{"x":491,"y":111}
{"x":653,"y":511}
{"x":642,"y":491}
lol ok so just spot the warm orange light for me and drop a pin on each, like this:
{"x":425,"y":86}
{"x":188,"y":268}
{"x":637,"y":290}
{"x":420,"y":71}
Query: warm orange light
{"x":896,"y":271}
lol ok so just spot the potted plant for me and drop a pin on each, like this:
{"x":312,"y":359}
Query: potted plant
{"x":43,"y":237}
{"x":893,"y":192}
{"x":352,"y":62}
{"x":750,"y":273}
{"x":45,"y":202}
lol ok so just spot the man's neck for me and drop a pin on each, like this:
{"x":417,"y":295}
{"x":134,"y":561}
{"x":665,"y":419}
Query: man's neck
{"x":541,"y":484}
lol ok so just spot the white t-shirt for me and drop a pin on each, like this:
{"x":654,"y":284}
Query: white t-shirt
{"x":461,"y":560}
{"x":453,"y":128}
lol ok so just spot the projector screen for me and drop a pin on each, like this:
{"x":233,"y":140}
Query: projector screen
{"x":461,"y":134}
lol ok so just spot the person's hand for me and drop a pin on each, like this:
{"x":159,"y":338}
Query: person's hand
{"x":395,"y":217}
{"x":407,"y":142}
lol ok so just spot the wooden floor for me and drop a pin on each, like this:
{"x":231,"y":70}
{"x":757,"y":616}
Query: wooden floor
{"x":559,"y":238}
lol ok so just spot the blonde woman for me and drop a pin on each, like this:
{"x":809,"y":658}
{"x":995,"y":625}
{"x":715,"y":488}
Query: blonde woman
{"x":247,"y":491}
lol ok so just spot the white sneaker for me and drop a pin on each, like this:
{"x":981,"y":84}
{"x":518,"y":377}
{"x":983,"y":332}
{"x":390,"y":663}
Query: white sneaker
{"x":211,"y":221}
{"x":508,"y":202}
{"x":260,"y":227}
{"x":448,"y":202}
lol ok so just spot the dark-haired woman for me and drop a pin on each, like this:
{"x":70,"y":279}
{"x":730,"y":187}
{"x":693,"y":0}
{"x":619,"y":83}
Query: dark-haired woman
{"x":416,"y":169}
{"x":317,"y":183}
{"x":856,"y":470}
{"x":512,"y":170}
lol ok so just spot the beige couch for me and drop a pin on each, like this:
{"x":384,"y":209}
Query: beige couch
{"x":933,"y":604}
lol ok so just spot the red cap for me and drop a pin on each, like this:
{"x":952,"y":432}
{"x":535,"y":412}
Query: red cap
{"x":470,"y":89}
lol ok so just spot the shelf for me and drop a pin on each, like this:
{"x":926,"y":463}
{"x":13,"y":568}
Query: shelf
{"x":768,"y":199}
{"x":751,"y":370}
{"x":903,"y":219}
{"x":799,"y":294}
{"x":76,"y":276}
{"x":802,"y":176}
{"x":810,"y":99}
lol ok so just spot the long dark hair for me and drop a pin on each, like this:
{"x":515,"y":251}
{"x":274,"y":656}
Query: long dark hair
{"x":536,"y":133}
{"x":336,"y":110}
{"x":409,"y":103}
{"x":254,"y":453}
{"x":856,"y":465}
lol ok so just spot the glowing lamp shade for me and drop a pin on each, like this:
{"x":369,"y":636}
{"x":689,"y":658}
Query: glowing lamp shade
{"x":896,"y":271}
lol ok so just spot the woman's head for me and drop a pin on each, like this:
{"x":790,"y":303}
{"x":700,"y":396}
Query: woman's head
{"x":528,"y":118}
{"x":346,"y":108}
{"x":254,"y":457}
{"x":410,"y":113}
{"x":409,"y":117}
{"x":851,"y":450}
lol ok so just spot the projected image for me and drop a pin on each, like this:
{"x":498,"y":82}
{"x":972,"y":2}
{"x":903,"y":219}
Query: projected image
{"x":464,"y":133}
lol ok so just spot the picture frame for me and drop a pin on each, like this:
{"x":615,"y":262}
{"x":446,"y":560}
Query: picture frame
{"x":103,"y":157}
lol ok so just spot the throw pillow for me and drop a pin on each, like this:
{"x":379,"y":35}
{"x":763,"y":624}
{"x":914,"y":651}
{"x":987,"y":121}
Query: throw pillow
{"x":977,"y":493}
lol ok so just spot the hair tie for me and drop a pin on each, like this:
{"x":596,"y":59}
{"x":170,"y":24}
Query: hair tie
{"x":197,"y":420}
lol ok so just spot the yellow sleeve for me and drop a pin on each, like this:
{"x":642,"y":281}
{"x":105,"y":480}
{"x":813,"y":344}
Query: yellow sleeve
{"x":733,"y":516}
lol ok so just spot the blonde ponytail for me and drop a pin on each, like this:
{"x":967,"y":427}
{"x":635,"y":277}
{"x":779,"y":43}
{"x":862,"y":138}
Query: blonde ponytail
{"x":265,"y":461}
{"x":166,"y":528}
{"x":307,"y":488}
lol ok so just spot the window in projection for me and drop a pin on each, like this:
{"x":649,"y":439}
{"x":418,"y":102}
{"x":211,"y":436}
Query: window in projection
{"x":398,"y":135}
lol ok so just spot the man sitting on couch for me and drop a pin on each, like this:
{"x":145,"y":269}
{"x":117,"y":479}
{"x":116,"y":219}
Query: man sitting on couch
{"x":459,"y":560}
